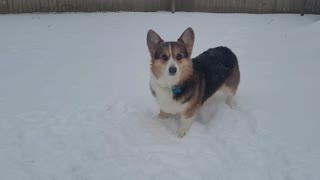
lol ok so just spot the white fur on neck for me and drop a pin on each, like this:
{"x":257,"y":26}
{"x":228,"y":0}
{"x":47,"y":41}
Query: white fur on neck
{"x":165,"y":82}
{"x":165,"y":99}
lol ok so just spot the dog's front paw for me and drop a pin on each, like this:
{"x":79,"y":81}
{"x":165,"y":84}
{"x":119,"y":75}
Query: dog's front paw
{"x":182,"y":132}
{"x":184,"y":127}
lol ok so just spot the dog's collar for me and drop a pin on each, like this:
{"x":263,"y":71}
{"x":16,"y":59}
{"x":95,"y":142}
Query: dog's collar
{"x":176,"y":90}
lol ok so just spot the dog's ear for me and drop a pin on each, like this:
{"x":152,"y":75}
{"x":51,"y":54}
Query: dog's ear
{"x":153,"y":40}
{"x":187,"y":37}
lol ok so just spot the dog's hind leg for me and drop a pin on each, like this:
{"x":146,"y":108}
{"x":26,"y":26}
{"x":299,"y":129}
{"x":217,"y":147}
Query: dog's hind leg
{"x":230,"y":97}
{"x":230,"y":86}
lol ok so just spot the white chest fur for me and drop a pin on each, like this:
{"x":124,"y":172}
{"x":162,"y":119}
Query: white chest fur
{"x":165,"y":99}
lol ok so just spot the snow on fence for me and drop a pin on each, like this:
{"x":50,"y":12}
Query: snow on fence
{"x":219,"y":6}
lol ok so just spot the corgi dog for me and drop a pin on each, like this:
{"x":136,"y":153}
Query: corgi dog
{"x":181,"y":84}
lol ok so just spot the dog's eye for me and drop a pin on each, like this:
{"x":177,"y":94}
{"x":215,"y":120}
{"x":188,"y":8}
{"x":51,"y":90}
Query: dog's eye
{"x":179,"y":57}
{"x":164,"y":57}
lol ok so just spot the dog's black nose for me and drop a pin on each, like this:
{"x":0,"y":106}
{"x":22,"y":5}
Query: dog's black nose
{"x":172,"y":70}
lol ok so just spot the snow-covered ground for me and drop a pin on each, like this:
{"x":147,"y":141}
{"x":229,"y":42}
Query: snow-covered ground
{"x":75,"y":101}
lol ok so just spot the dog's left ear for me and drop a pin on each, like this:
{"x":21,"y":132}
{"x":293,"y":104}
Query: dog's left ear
{"x":187,"y":37}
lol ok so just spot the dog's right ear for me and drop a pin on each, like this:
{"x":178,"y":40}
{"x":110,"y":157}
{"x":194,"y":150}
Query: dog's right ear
{"x":153,"y":40}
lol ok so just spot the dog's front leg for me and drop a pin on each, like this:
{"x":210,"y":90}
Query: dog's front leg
{"x":185,"y":123}
{"x":186,"y":119}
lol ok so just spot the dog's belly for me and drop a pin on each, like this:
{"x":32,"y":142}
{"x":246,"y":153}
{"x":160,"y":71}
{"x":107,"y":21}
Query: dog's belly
{"x":167,"y":103}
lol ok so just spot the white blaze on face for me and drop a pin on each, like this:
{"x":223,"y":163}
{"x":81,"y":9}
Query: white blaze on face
{"x":165,"y":79}
{"x":172,"y":79}
{"x":171,"y":62}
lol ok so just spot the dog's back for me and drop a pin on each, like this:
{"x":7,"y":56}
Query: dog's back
{"x":219,"y":68}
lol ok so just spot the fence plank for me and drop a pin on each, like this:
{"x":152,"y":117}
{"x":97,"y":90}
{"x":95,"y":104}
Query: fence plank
{"x":83,"y":5}
{"x":61,"y":5}
{"x":10,"y":5}
{"x":4,"y":6}
{"x":52,"y":5}
{"x":28,"y":6}
{"x":45,"y":6}
{"x":58,"y":6}
{"x":19,"y":6}
{"x":309,"y":6}
{"x":15,"y":6}
{"x":24,"y":6}
{"x":34,"y":5}
{"x":316,"y":6}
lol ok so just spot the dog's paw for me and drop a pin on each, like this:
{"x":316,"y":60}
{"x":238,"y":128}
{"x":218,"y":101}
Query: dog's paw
{"x":182,"y":133}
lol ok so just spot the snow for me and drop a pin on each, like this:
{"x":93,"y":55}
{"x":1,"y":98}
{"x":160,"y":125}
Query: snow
{"x":75,"y":101}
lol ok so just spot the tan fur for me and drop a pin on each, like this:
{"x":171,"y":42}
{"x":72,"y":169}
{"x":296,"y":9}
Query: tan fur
{"x":164,"y":115}
{"x":195,"y":101}
{"x":157,"y":67}
{"x":231,"y":84}
{"x":186,"y":70}
{"x":193,"y":108}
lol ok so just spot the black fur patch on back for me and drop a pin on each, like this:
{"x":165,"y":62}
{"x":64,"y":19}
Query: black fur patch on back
{"x":212,"y":68}
{"x":216,"y":64}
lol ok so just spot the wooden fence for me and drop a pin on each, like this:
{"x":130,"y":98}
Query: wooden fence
{"x":215,"y":6}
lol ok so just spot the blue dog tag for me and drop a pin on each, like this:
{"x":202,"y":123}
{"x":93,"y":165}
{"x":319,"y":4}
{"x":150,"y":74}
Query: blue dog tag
{"x":176,"y":90}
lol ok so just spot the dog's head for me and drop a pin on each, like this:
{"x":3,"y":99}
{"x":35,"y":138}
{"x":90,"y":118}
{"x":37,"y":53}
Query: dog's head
{"x":171,"y":62}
